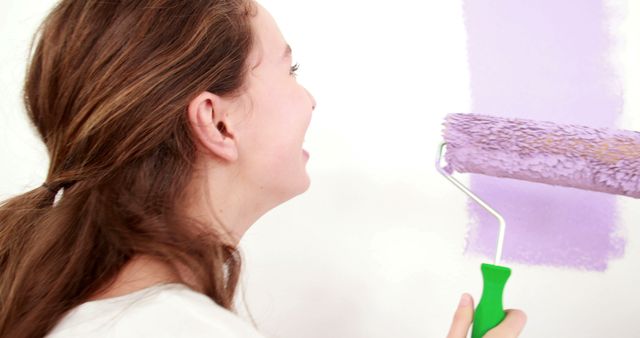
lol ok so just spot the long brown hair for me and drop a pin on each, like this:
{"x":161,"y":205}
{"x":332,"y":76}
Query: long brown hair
{"x":107,"y":89}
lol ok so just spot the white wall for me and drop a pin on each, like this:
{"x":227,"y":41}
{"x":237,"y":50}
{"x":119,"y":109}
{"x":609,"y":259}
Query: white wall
{"x":375,"y":247}
{"x":23,"y":157}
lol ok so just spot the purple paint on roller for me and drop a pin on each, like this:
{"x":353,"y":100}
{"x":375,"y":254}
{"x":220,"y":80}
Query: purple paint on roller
{"x":597,"y":159}
{"x":543,"y":60}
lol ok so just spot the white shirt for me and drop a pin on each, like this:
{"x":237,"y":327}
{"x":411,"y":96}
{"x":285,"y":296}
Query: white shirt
{"x":167,"y":310}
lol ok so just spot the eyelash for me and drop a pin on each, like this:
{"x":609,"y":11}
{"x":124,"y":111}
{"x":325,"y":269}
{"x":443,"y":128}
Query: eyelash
{"x":294,"y":69}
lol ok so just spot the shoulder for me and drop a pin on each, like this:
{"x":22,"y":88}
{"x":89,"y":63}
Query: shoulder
{"x":178,"y":311}
{"x":171,"y":310}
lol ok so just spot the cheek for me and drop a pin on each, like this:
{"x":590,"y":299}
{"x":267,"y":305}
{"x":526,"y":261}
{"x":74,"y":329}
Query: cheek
{"x":276,"y":138}
{"x":285,"y":117}
{"x":280,"y":134}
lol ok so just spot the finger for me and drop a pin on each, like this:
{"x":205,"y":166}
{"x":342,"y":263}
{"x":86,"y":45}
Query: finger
{"x":462,"y":318}
{"x":510,"y":327}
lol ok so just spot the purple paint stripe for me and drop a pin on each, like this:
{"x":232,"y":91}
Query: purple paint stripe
{"x":543,"y":60}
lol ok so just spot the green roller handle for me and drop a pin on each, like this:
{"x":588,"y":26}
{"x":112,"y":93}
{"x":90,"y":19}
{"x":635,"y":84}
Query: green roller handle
{"x":490,"y":312}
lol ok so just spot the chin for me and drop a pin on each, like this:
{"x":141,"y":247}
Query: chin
{"x":297,"y":189}
{"x":307,"y":184}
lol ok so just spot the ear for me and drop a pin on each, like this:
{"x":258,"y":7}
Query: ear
{"x":209,"y":122}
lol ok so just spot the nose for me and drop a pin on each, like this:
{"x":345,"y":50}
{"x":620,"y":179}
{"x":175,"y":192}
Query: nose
{"x":313,"y":100}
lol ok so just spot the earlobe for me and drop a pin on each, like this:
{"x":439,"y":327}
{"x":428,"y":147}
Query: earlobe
{"x":210,"y":126}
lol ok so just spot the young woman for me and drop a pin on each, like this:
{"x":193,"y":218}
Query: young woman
{"x":171,"y":126}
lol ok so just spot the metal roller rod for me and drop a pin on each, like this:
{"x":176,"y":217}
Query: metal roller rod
{"x":501,"y":221}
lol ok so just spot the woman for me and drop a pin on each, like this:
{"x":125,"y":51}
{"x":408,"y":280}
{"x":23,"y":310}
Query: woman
{"x":172,"y":126}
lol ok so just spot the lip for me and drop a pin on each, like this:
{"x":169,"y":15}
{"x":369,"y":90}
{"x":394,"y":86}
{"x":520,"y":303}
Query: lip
{"x":306,"y":153}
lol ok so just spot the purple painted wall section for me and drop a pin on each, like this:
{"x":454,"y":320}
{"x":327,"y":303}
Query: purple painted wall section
{"x":543,"y":60}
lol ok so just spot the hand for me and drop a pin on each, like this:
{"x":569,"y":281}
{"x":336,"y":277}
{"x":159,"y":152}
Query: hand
{"x":510,"y":327}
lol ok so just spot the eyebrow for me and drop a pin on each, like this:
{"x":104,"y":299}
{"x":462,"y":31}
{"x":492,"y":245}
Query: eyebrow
{"x":287,"y":51}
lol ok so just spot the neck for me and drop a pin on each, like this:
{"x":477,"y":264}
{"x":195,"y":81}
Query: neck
{"x":139,"y":273}
{"x":221,"y":198}
{"x":216,"y":197}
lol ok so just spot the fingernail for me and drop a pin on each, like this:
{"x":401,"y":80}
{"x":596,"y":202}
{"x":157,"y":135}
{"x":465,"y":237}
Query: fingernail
{"x":465,"y":300}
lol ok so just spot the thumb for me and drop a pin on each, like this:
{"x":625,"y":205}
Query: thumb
{"x":510,"y":327}
{"x":462,"y":318}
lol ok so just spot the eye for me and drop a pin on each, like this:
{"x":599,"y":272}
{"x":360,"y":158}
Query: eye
{"x":294,"y":69}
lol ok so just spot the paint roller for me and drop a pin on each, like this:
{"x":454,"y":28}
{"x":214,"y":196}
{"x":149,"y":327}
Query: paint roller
{"x":597,"y":159}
